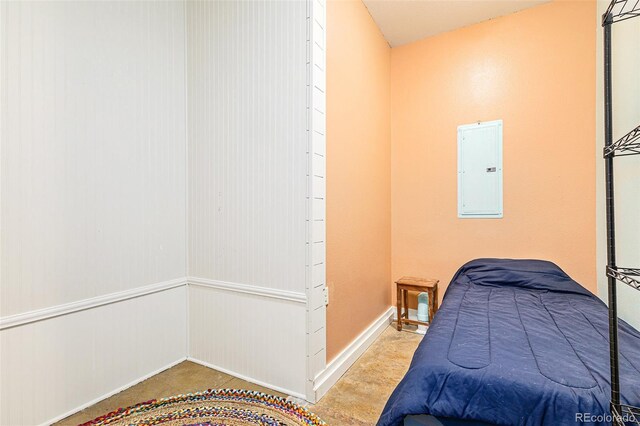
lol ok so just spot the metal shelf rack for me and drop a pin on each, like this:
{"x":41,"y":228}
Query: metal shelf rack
{"x":621,"y":10}
{"x":629,"y":144}
{"x":629,"y":276}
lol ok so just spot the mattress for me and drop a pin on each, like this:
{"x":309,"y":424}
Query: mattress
{"x":516,"y":342}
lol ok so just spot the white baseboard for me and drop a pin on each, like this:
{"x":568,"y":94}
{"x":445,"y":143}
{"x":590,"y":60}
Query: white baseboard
{"x":247,"y":378}
{"x":113,"y":392}
{"x":345,"y":359}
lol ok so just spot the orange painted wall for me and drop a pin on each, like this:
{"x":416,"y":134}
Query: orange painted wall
{"x":358,"y":173}
{"x":536,"y":71}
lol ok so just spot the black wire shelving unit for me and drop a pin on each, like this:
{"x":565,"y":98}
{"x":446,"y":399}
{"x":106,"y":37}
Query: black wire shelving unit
{"x":629,"y":144}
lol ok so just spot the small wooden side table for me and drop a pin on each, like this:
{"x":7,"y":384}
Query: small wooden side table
{"x":406,"y":284}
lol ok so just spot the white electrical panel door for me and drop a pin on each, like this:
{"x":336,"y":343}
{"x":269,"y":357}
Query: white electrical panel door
{"x":480,"y":170}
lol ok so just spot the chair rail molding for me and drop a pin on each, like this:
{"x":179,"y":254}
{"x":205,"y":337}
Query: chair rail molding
{"x":90,"y":303}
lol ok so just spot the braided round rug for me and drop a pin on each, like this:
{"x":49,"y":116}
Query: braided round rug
{"x":220,"y":407}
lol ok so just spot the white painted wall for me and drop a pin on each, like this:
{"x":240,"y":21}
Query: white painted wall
{"x":248,"y":143}
{"x":102,"y":158}
{"x":92,"y":200}
{"x":316,"y":195}
{"x":247,"y":150}
{"x":258,"y":338}
{"x":53,"y":368}
{"x":93,"y":149}
{"x":626,"y":116}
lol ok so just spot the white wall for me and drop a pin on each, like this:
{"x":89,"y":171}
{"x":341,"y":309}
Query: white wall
{"x":316,"y":195}
{"x":252,"y":336}
{"x":93,"y":149}
{"x":53,"y":368}
{"x":92,"y":200}
{"x":102,"y":158}
{"x":626,"y":116}
{"x":247,"y":105}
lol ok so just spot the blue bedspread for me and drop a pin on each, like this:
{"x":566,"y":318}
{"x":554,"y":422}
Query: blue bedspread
{"x":516,"y":342}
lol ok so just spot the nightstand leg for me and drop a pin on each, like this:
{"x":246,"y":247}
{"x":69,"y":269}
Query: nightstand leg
{"x":435,"y":301}
{"x":398,"y":303}
{"x":432,"y":305}
{"x":405,"y":300}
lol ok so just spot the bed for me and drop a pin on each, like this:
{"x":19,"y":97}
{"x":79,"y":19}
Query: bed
{"x":515,"y":342}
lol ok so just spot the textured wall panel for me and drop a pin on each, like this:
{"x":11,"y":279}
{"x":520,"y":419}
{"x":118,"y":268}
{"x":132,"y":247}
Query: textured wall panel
{"x":247,"y":112}
{"x":92,"y":198}
{"x":247,"y":142}
{"x":93,"y":149}
{"x":257,"y":337}
{"x":52,"y":367}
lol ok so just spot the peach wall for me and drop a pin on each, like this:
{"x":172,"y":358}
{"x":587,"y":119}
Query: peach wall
{"x":536,"y":71}
{"x":358,"y":173}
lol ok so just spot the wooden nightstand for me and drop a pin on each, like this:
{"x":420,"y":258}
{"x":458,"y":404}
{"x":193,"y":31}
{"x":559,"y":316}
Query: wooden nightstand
{"x":406,"y":284}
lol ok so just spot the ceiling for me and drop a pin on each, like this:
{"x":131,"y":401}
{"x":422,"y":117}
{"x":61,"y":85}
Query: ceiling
{"x":404,"y":21}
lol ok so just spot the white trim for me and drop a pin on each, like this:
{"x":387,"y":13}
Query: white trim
{"x":273,"y":293}
{"x":113,"y":392}
{"x":187,"y":337}
{"x":94,"y":302}
{"x":187,"y":228}
{"x":345,"y":359}
{"x":186,"y":139}
{"x":316,"y":193}
{"x":247,"y":378}
{"x":81,"y":305}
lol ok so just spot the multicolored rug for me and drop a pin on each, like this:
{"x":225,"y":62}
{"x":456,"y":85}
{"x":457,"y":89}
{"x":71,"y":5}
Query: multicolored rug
{"x":220,"y":407}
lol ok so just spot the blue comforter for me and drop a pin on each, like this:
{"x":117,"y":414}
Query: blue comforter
{"x":516,"y":342}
